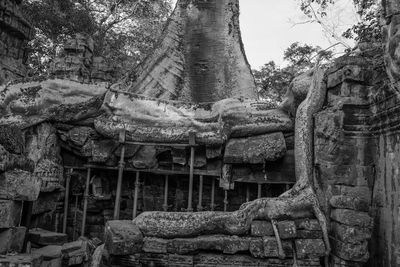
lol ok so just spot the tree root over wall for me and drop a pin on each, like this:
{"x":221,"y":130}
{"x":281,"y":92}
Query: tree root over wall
{"x":300,"y":201}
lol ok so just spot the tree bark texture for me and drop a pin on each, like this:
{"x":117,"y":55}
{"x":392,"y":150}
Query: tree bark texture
{"x":199,"y":58}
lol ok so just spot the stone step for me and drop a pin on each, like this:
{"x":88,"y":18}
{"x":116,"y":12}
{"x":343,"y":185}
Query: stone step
{"x":44,"y":238}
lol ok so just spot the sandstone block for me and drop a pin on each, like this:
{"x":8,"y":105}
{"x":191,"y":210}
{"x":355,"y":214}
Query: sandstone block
{"x":255,"y":149}
{"x":205,"y":259}
{"x":76,"y":252}
{"x":286,"y":229}
{"x":352,"y":218}
{"x":222,"y":243}
{"x":308,"y":224}
{"x":310,"y":248}
{"x":49,"y":252}
{"x":122,"y":238}
{"x":12,"y":239}
{"x":350,"y":234}
{"x":10,"y":213}
{"x":26,"y":260}
{"x":338,"y":262}
{"x":307,"y":234}
{"x":155,"y":245}
{"x":351,"y":252}
{"x":19,"y":185}
{"x":261,"y":228}
{"x":268,"y":248}
{"x":347,"y":202}
{"x":45,"y":238}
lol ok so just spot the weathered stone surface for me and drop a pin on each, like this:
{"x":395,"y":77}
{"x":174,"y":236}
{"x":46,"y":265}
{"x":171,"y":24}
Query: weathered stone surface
{"x":9,"y":161}
{"x":350,"y":234}
{"x":338,"y":262}
{"x":10,"y":213}
{"x":351,"y":203}
{"x":45,"y":238}
{"x":287,"y":229}
{"x":267,"y":247}
{"x":352,"y":218}
{"x":310,"y":248}
{"x":351,"y":252}
{"x":225,"y":244}
{"x":122,"y":238}
{"x":155,"y":245}
{"x":43,"y":148}
{"x":261,"y":228}
{"x":76,"y":252}
{"x":255,"y":150}
{"x":19,"y":185}
{"x":145,"y":158}
{"x":308,"y":224}
{"x":28,"y":260}
{"x":30,"y":103}
{"x":47,"y":202}
{"x":224,"y":260}
{"x":49,"y":252}
{"x":12,"y":239}
{"x":308,"y":234}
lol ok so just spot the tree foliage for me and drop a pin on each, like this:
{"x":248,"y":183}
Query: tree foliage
{"x":124,"y":31}
{"x":368,"y":29}
{"x":273,"y":80}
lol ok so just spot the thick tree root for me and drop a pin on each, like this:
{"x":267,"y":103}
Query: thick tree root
{"x":299,"y":202}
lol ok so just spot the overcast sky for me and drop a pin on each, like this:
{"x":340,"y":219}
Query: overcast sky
{"x":270,"y":26}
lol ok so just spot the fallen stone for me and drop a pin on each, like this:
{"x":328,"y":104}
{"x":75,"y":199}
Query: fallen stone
{"x":45,"y":238}
{"x":25,"y":260}
{"x":122,"y":238}
{"x":19,"y":185}
{"x":255,"y":149}
{"x":10,"y":213}
{"x":350,"y":252}
{"x":76,"y":252}
{"x":351,"y":203}
{"x":261,"y":228}
{"x":49,"y":252}
{"x":145,"y":158}
{"x":350,"y":234}
{"x":310,"y":248}
{"x":12,"y":239}
{"x":287,"y":229}
{"x":352,"y":218}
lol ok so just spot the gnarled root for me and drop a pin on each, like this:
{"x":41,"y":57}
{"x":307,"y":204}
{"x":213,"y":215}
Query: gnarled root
{"x":299,"y":202}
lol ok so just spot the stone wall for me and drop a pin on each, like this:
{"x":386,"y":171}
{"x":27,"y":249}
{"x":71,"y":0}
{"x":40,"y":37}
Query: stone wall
{"x":14,"y":36}
{"x":357,"y":154}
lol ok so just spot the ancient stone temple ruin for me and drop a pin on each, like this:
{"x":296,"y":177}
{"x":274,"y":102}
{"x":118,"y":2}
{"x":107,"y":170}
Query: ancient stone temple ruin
{"x":185,"y":166}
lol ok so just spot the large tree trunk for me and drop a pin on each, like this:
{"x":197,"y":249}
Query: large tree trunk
{"x":200,"y":57}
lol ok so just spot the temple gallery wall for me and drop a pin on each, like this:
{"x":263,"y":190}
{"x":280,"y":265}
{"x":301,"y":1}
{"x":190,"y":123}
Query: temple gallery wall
{"x":185,"y":166}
